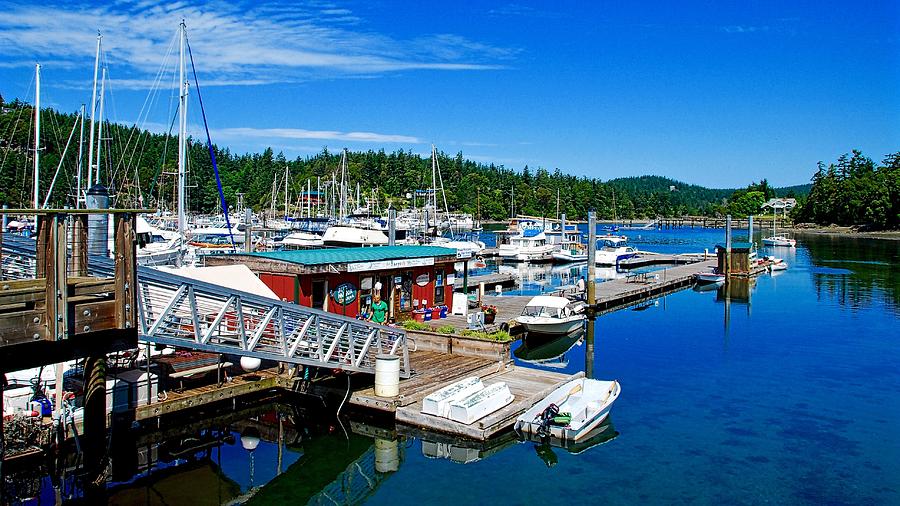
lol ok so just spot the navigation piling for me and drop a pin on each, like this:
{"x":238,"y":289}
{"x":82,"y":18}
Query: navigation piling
{"x":392,"y":226}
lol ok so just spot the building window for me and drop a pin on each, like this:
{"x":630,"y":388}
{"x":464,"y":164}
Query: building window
{"x":318,"y":294}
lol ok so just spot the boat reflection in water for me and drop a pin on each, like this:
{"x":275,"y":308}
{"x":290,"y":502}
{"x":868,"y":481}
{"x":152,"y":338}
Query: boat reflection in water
{"x":548,"y":351}
{"x":544,"y":447}
{"x":460,"y":451}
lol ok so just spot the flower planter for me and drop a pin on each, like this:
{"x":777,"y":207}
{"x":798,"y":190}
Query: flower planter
{"x":443,"y":311}
{"x":418,"y":316}
{"x":427,"y":315}
{"x":489,"y":317}
{"x":436,"y":314}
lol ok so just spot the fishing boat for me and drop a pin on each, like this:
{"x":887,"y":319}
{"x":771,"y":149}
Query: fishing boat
{"x":613,"y":248}
{"x":548,"y":314}
{"x":571,"y":411}
{"x":480,"y":404}
{"x":571,"y":249}
{"x":529,"y":245}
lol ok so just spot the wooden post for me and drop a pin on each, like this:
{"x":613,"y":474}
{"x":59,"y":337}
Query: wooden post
{"x":589,"y":350}
{"x":94,"y":413}
{"x":79,"y":259}
{"x":43,"y":234}
{"x":126,"y":269}
{"x":56,"y":294}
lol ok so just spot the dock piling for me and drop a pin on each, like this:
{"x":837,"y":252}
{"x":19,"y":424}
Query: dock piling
{"x":592,"y":266}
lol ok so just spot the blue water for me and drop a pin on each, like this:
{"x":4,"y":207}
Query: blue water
{"x":784,"y":390}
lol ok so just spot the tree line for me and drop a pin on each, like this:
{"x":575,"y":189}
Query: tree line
{"x":139,"y":168}
{"x":854,"y":190}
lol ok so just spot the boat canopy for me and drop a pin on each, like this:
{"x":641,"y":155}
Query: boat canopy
{"x":549,"y":301}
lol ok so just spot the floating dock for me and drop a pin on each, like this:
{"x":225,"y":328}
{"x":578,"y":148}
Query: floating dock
{"x":434,"y":370}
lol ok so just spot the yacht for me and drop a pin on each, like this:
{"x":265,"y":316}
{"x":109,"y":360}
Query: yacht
{"x":529,"y":245}
{"x":341,"y":235}
{"x":613,"y":248}
{"x":571,"y":249}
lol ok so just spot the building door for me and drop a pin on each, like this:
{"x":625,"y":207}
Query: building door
{"x":318,"y":294}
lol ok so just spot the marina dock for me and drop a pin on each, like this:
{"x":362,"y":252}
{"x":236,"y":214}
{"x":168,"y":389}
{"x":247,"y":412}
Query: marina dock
{"x":434,"y":370}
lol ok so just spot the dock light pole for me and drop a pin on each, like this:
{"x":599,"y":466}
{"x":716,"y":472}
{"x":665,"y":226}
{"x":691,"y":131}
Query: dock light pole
{"x":727,"y":246}
{"x":750,"y":229}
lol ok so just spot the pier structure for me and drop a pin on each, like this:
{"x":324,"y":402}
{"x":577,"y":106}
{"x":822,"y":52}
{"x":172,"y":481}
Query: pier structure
{"x":54,"y":307}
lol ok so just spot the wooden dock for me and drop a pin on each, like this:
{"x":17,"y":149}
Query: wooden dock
{"x":433,"y":371}
{"x":489,"y":280}
{"x":617,"y":293}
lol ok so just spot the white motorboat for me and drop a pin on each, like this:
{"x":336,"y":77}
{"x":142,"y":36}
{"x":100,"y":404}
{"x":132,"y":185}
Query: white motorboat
{"x":438,"y":403}
{"x":571,"y":248}
{"x":155,"y":246}
{"x":710,"y":277}
{"x":529,"y":245}
{"x":352,"y":236}
{"x":481,"y":403}
{"x":613,"y":248}
{"x":467,"y":247}
{"x":548,"y":314}
{"x":778,"y":265}
{"x":302,"y":240}
{"x":571,"y":411}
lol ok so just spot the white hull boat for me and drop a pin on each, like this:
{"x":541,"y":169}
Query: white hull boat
{"x":302,"y":240}
{"x":613,"y":248}
{"x":570,"y":255}
{"x":352,"y":236}
{"x":571,"y":411}
{"x":707,"y":278}
{"x":547,"y":314}
{"x":530,"y":245}
{"x":780,"y":241}
{"x":482,"y":403}
{"x":778,"y":265}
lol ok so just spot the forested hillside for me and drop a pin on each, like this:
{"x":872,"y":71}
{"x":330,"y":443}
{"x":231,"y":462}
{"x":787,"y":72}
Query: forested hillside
{"x":139,"y":168}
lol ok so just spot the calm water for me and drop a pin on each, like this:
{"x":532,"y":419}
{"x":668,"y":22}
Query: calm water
{"x":785,"y":390}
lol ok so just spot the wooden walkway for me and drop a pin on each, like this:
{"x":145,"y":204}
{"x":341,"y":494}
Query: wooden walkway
{"x":617,"y":293}
{"x":489,"y":280}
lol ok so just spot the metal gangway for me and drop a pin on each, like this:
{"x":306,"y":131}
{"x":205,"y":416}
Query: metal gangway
{"x":185,"y":313}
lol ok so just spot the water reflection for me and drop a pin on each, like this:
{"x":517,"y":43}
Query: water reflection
{"x":855,"y":272}
{"x":544,"y":446}
{"x":548,"y":351}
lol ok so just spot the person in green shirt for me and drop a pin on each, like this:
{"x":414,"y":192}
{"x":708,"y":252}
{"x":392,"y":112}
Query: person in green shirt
{"x":378,"y":313}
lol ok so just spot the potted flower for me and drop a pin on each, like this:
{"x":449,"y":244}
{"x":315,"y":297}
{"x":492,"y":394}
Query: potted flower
{"x":490,"y":312}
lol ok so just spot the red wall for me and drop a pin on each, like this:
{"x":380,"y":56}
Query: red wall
{"x":281,"y":284}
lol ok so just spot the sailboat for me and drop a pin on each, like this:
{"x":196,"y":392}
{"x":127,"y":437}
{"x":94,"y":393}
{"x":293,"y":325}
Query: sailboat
{"x":778,"y":240}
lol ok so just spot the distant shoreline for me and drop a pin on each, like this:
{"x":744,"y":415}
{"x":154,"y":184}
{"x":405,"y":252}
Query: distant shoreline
{"x":887,"y":235}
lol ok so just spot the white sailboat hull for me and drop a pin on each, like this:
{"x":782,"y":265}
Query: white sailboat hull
{"x":351,"y":236}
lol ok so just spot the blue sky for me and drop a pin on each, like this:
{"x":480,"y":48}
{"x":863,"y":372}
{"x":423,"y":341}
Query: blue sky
{"x":713,"y":93}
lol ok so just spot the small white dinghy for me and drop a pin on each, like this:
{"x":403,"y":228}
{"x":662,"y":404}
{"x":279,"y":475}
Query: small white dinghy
{"x":547,"y":314}
{"x":438,"y":403}
{"x":481,"y":403}
{"x":571,"y":411}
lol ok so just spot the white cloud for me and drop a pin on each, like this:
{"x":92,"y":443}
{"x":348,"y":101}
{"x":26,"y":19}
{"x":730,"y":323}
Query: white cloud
{"x":299,"y":133}
{"x":232,"y":44}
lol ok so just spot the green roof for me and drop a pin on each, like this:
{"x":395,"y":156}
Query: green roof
{"x":326,"y":256}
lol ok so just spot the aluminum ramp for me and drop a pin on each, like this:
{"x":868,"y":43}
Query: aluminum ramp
{"x":186,"y":313}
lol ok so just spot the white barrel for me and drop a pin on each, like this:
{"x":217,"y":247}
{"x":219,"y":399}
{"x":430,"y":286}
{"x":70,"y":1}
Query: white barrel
{"x":387,"y":455}
{"x":387,"y":375}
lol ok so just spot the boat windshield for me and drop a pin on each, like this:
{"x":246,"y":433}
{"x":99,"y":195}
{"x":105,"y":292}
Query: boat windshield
{"x":551,"y":312}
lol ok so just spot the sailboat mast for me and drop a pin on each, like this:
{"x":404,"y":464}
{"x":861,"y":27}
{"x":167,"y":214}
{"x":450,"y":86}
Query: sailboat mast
{"x":37,"y":133}
{"x":287,"y":176}
{"x":80,"y":160}
{"x":100,"y":127}
{"x":182,"y":137}
{"x":93,"y":110}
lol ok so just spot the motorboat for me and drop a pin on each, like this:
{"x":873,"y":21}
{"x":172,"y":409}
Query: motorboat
{"x":709,"y":277}
{"x":155,"y":246}
{"x":571,"y":248}
{"x":571,"y":411}
{"x":777,"y":265}
{"x":529,"y":245}
{"x":612,"y":249}
{"x":548,"y":314}
{"x":302,"y":240}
